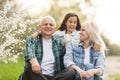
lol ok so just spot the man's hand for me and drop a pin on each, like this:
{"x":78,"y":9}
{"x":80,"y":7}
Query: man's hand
{"x":35,"y":66}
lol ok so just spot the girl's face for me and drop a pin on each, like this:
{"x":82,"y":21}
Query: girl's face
{"x":84,"y":35}
{"x":71,"y":24}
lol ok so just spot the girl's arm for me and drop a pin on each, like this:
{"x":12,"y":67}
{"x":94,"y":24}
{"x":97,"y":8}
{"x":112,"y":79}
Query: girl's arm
{"x":36,"y":34}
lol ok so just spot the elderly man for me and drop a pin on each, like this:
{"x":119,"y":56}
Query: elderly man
{"x":44,"y":54}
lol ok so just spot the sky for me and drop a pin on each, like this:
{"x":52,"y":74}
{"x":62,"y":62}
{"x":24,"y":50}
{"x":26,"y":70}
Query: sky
{"x":108,"y":18}
{"x":35,"y":6}
{"x":107,"y":15}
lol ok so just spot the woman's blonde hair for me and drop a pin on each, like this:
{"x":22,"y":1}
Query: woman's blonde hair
{"x":94,"y":33}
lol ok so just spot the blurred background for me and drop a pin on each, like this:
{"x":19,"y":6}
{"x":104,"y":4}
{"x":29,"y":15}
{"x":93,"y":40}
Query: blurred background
{"x":20,"y":18}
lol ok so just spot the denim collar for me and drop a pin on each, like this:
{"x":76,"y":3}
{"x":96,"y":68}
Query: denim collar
{"x":82,"y":44}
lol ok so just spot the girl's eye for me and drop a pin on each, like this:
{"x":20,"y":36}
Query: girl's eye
{"x":70,"y":21}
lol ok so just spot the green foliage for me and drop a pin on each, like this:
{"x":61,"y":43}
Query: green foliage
{"x":13,"y":32}
{"x":115,"y":76}
{"x":59,"y":9}
{"x":2,"y":3}
{"x":11,"y":71}
{"x":19,"y":27}
{"x":16,"y":26}
{"x":112,"y":49}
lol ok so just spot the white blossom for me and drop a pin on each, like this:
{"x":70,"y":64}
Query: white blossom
{"x":12,"y":29}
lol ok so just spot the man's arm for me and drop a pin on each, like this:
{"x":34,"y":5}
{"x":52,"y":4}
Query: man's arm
{"x":30,"y":55}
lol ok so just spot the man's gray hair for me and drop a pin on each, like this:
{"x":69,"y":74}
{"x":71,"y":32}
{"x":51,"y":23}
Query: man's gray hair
{"x":50,"y":17}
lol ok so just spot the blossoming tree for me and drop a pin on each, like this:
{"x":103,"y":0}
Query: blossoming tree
{"x":13,"y":32}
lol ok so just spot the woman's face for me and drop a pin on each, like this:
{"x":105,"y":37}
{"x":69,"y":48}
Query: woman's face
{"x":71,"y":24}
{"x":83,"y":34}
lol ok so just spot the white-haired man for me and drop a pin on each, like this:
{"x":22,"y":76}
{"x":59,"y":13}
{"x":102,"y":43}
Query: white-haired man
{"x":44,"y":54}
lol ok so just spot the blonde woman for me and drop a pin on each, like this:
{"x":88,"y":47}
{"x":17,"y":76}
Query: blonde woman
{"x":87,"y":63}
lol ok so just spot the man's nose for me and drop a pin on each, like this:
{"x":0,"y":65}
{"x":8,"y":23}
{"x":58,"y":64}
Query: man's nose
{"x":48,"y":25}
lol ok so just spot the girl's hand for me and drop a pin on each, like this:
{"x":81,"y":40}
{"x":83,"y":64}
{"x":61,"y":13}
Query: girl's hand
{"x":35,"y":34}
{"x":96,"y":47}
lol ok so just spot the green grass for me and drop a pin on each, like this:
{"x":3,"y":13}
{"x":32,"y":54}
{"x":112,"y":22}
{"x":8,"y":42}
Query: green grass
{"x":115,"y":76}
{"x":11,"y":71}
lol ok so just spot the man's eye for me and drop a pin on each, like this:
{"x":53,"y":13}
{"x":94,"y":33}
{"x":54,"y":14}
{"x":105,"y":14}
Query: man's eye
{"x":45,"y":24}
{"x":51,"y":24}
{"x":48,"y":24}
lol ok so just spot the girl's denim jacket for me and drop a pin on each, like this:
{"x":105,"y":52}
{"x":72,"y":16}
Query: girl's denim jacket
{"x":75,"y":55}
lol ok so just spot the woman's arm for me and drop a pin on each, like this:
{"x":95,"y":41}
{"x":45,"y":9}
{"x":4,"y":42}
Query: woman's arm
{"x":100,"y":63}
{"x":78,"y":70}
{"x":92,"y":72}
{"x":68,"y":58}
{"x":69,"y":63}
